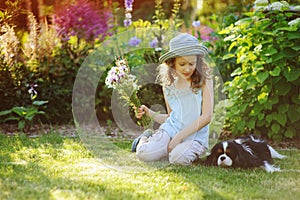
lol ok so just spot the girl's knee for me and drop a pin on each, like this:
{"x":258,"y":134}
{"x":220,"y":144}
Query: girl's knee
{"x":186,"y":153}
{"x":180,"y":158}
{"x":146,"y":154}
{"x":144,"y":157}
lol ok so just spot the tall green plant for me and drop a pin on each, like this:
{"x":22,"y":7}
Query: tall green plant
{"x":265,"y":91}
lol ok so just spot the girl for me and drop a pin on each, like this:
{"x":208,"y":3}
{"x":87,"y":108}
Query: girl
{"x":188,"y":91}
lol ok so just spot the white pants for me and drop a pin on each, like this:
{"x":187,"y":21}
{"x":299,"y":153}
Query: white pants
{"x":156,"y":148}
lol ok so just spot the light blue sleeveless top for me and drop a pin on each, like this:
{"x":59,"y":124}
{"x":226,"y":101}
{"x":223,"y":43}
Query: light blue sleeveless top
{"x":186,"y":107}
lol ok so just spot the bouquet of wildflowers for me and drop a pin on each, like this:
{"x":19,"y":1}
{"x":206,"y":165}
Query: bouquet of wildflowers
{"x":120,"y":79}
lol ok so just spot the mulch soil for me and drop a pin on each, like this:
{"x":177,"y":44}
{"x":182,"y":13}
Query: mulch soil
{"x":114,"y":132}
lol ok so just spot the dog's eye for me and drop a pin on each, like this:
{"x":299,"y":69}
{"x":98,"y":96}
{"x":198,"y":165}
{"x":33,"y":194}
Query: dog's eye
{"x":227,"y":151}
{"x":220,"y":150}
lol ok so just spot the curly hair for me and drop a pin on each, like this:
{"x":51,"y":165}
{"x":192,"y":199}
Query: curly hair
{"x":166,"y":73}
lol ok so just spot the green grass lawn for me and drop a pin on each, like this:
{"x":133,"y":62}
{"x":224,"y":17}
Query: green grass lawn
{"x":54,"y":167}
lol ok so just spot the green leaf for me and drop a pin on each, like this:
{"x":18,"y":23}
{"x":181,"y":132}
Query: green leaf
{"x":232,"y":45}
{"x":269,"y":118}
{"x":21,"y":111}
{"x":291,"y":74}
{"x":276,"y":71}
{"x":12,"y":118}
{"x":283,"y":29}
{"x":256,"y":110}
{"x":251,"y":123}
{"x":228,"y":56}
{"x":282,"y":87}
{"x":275,"y":128}
{"x":290,"y":132}
{"x":280,"y":118}
{"x":29,"y":117}
{"x":243,"y":107}
{"x":263,"y":97}
{"x":289,"y":52}
{"x":41,"y":112}
{"x":240,"y":125}
{"x":293,"y":35}
{"x":21,"y":125}
{"x":293,"y":114}
{"x":224,"y":31}
{"x":262,"y":76}
{"x":283,"y":108}
{"x":270,"y":51}
{"x":5,"y":112}
{"x":296,"y":98}
{"x":273,"y":100}
{"x":296,"y":46}
{"x":260,"y":116}
{"x":277,"y":56}
{"x":39,"y":103}
{"x":236,"y":72}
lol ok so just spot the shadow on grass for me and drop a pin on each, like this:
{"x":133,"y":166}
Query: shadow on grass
{"x":39,"y":168}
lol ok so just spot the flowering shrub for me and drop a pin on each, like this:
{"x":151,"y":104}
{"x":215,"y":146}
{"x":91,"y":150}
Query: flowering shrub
{"x":203,"y":32}
{"x":82,"y":20}
{"x":9,"y":44}
{"x":264,"y":92}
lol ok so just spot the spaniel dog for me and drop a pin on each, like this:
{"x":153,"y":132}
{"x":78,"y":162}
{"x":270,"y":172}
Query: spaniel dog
{"x":244,"y":152}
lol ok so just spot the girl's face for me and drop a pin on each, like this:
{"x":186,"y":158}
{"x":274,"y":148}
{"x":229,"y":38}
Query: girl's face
{"x":185,"y":66}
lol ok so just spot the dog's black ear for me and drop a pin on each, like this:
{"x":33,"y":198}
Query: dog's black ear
{"x":212,"y":159}
{"x":241,"y":159}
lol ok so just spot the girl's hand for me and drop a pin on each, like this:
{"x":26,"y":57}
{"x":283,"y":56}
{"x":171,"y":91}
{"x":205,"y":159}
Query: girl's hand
{"x":141,"y":111}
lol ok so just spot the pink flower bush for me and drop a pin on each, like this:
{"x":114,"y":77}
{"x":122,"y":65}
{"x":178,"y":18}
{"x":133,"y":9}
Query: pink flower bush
{"x":83,"y":20}
{"x":206,"y":32}
{"x":202,"y":31}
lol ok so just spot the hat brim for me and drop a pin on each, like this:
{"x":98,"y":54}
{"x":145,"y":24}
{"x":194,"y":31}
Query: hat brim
{"x":188,"y":51}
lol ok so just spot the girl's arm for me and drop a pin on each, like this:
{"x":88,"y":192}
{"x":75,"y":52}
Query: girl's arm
{"x":159,"y":118}
{"x":202,"y":120}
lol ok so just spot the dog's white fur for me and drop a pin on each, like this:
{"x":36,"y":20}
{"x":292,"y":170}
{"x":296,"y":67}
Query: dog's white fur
{"x":275,"y":154}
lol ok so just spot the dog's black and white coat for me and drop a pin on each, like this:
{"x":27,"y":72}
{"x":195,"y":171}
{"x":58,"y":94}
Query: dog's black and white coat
{"x":243,"y":152}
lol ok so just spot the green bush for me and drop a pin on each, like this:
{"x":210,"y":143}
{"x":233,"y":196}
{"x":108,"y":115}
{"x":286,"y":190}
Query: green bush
{"x":265,"y":90}
{"x":39,"y":57}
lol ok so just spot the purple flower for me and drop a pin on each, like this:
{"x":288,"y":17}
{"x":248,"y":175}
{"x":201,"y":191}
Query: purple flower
{"x":196,"y":24}
{"x":32,"y":92}
{"x":127,"y":22}
{"x":128,"y":4}
{"x":134,"y":41}
{"x":117,"y":74}
{"x":82,"y":20}
{"x":128,"y":16}
{"x":153,"y":43}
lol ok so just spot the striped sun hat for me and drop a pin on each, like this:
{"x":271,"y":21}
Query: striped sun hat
{"x":184,"y":44}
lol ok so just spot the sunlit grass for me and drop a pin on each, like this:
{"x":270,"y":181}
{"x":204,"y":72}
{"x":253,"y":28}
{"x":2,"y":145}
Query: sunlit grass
{"x":53,"y":167}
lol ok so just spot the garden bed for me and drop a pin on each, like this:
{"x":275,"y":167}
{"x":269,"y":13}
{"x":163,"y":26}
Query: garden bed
{"x":114,"y":132}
